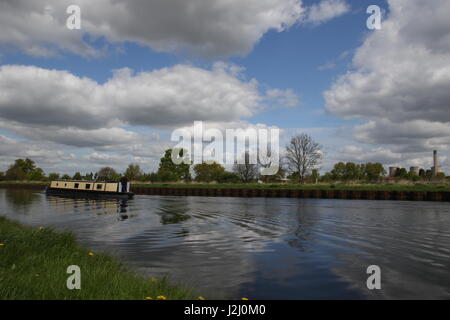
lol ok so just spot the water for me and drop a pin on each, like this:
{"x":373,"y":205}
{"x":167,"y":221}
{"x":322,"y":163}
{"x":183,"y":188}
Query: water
{"x":261,"y":248}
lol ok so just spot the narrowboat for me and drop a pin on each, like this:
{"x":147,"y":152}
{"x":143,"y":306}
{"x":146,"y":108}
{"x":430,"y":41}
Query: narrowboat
{"x":90,"y":188}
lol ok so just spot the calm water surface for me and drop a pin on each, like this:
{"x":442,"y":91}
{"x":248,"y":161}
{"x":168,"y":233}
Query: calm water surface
{"x":261,"y":248}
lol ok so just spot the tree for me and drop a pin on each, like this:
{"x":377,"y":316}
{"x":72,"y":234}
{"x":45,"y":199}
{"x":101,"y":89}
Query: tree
{"x":207,"y":172}
{"x":169,"y":171}
{"x":302,"y":155}
{"x":228,"y":177}
{"x":65,"y":177}
{"x":246,"y":171}
{"x":24,"y":169}
{"x":107,"y":173}
{"x":53,"y":176}
{"x":77,"y":176}
{"x":339,"y":171}
{"x":374,"y":171}
{"x":36,"y":175}
{"x":88,"y":176}
{"x":152,"y":177}
{"x":133,"y":172}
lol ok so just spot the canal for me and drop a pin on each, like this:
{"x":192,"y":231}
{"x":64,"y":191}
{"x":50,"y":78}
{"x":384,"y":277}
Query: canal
{"x":260,"y":248}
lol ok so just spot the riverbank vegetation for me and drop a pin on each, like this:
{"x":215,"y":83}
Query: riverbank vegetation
{"x":298,"y":168}
{"x":34,"y":262}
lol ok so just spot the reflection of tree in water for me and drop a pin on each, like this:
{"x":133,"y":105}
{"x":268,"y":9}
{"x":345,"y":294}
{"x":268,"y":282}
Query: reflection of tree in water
{"x":173,"y":211}
{"x":21,"y":197}
{"x":301,"y":231}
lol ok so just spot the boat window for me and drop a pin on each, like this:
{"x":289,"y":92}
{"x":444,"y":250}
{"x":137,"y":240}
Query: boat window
{"x":76,"y":185}
{"x":99,"y":187}
{"x":88,"y":185}
{"x":57,"y":184}
{"x":65,"y":184}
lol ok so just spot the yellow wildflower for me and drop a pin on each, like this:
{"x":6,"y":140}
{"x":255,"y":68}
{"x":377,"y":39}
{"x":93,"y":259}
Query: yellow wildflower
{"x":148,"y":298}
{"x":201,"y":298}
{"x":161,"y":298}
{"x":244,"y":298}
{"x":91,"y":254}
{"x":153,"y":279}
{"x":41,"y":228}
{"x":2,"y":244}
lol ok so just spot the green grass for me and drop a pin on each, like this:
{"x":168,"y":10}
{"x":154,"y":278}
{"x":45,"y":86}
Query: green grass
{"x":362,"y":187}
{"x":34,"y":261}
{"x":25,"y":182}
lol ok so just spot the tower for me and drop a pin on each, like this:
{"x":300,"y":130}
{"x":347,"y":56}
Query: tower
{"x":436,"y":167}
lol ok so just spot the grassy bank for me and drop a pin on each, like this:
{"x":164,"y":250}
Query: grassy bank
{"x":395,"y":186}
{"x":34,"y":261}
{"x":361,"y":187}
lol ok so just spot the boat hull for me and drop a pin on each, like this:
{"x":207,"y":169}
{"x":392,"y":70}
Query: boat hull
{"x":89,"y":193}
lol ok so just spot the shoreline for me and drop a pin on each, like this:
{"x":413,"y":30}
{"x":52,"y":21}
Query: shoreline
{"x":266,"y":191}
{"x":34,"y":264}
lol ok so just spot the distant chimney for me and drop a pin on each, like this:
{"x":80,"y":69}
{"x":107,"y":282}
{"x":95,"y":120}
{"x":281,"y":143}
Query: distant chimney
{"x":435,"y":159}
{"x":436,"y":167}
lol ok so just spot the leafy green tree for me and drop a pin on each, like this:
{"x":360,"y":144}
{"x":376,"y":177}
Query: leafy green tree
{"x":169,"y":171}
{"x":207,"y":172}
{"x":133,"y":172}
{"x":53,"y":176}
{"x":77,"y":176}
{"x":338,"y":172}
{"x":66,"y":177}
{"x":374,"y":171}
{"x":24,"y":169}
{"x":327,"y":177}
{"x":150,"y":177}
{"x":88,"y":176}
{"x":36,"y":175}
{"x":228,"y":177}
{"x":2,"y":176}
{"x":412,"y":176}
{"x":401,"y":173}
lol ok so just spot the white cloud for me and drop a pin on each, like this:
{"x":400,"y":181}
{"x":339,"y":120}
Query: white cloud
{"x":206,"y":28}
{"x":326,"y":10}
{"x":212,"y":28}
{"x":166,"y":97}
{"x":399,"y":86}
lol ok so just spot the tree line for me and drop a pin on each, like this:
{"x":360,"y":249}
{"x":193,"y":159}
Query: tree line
{"x":299,"y":163}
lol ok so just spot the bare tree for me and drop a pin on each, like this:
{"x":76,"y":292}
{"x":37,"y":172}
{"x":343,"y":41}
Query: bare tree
{"x":246,"y":171}
{"x":302,"y":155}
{"x":107,"y":173}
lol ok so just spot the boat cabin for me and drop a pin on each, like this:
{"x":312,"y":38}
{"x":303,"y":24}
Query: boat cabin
{"x":89,"y":187}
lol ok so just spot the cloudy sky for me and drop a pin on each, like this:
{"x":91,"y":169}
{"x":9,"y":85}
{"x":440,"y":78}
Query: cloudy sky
{"x":112,"y":92}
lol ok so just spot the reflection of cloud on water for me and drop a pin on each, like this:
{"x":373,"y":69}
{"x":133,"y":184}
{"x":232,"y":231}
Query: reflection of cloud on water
{"x":407,"y":247}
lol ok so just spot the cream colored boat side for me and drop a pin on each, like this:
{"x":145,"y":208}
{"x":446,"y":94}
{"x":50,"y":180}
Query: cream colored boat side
{"x":85,"y":185}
